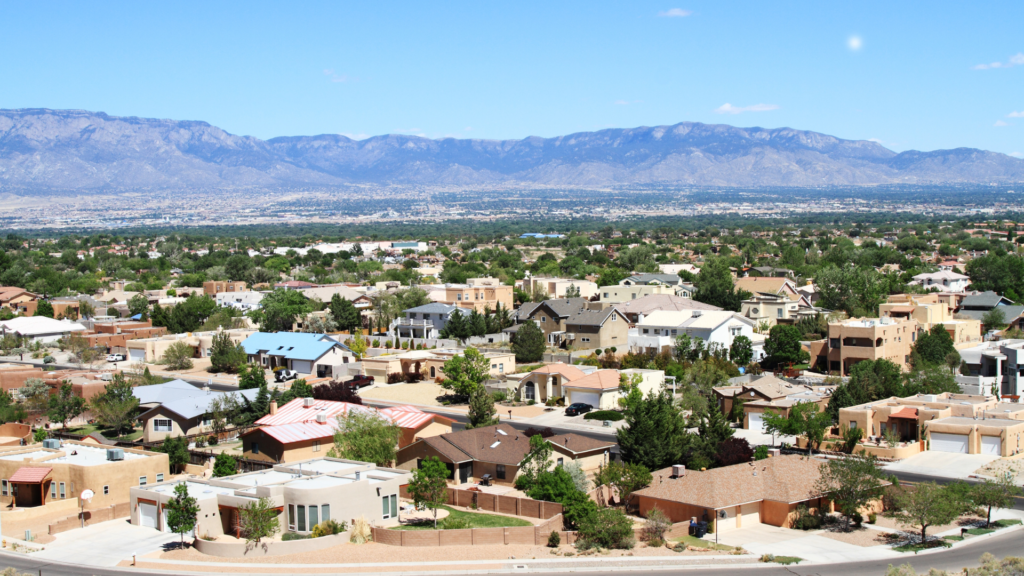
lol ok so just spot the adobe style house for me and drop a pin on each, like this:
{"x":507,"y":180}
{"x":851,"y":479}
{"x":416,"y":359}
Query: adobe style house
{"x":739,"y":496}
{"x":306,"y":353}
{"x":558,"y":287}
{"x":599,"y":388}
{"x":430,"y":363}
{"x":611,"y":295}
{"x":857,"y":339}
{"x":930,"y":310}
{"x":304,"y":493}
{"x":498,"y":450}
{"x":152,"y":349}
{"x":479,"y":294}
{"x":304,"y":428}
{"x":59,"y":470}
{"x":115,"y":335}
{"x":18,"y":300}
{"x":214,"y":287}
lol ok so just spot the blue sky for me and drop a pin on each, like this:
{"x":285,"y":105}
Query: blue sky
{"x":904,"y":73}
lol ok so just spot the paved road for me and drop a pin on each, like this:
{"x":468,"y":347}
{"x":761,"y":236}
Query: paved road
{"x":955,"y":559}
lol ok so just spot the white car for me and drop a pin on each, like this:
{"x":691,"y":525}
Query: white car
{"x":285,"y":375}
{"x":116,"y":358}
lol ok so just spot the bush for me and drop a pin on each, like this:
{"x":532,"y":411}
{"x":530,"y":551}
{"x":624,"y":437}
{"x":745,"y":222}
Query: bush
{"x":376,"y":343}
{"x":328,"y":527}
{"x":872,"y":518}
{"x":805,"y":520}
{"x":294,"y":536}
{"x":499,"y":396}
{"x":606,"y":528}
{"x":454,"y":523}
{"x":760,"y":453}
{"x":655,"y":526}
{"x":211,"y":440}
{"x":554,"y":540}
{"x":396,"y":377}
{"x":604,"y":415}
{"x":531,"y":402}
{"x":49,"y":360}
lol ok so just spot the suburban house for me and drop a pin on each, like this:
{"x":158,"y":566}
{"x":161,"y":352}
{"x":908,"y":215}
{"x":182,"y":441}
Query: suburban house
{"x":637,"y":310}
{"x":18,"y":300}
{"x":325,"y":293}
{"x":430,"y":363}
{"x":646,"y":279}
{"x":771,"y":285}
{"x":959,"y":423}
{"x":738,"y":496}
{"x":586,"y":384}
{"x":994,"y":367}
{"x":498,"y":451}
{"x":248,"y":300}
{"x":658,"y":331}
{"x":33,"y":475}
{"x":769,"y":271}
{"x":426,"y":321}
{"x":152,"y":349}
{"x":558,"y":287}
{"x":760,"y":394}
{"x":114,"y":335}
{"x":40,"y":328}
{"x":943,"y":281}
{"x":306,"y":353}
{"x":304,"y":428}
{"x":550,"y":315}
{"x":590,"y":329}
{"x":214,"y":287}
{"x":772,"y":309}
{"x":975,"y":306}
{"x":305,"y":494}
{"x":677,"y":268}
{"x":856,"y":339}
{"x":929,"y":310}
{"x":178,"y":411}
{"x":479,"y":293}
{"x":611,"y":295}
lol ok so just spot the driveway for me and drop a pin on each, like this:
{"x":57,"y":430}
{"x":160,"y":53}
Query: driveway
{"x":557,"y":419}
{"x":767,"y":539}
{"x":941,"y":464}
{"x":105,"y":544}
{"x":756,"y":438}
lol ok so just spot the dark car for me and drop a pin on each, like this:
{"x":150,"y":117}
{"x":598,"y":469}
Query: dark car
{"x":360,"y":381}
{"x":577,"y":409}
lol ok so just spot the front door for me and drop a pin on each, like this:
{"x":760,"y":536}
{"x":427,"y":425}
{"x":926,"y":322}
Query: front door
{"x":465,"y":472}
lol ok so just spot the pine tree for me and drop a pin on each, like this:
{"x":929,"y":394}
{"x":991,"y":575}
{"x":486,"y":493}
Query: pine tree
{"x":481,"y":409}
{"x":261,"y":404}
{"x":528,"y":343}
{"x":456,"y":328}
{"x":714,"y":428}
{"x":477,"y":324}
{"x":44,"y":308}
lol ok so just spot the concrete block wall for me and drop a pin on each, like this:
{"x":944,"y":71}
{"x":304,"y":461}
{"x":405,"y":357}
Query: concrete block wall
{"x":122,"y":510}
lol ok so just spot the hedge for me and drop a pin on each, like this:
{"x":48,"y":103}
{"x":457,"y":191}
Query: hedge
{"x":604,"y":415}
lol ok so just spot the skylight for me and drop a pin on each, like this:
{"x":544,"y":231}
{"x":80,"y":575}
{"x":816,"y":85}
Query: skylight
{"x":502,"y":432}
{"x":495,"y":445}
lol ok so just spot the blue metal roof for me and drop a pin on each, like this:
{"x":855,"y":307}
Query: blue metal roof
{"x":290,"y":345}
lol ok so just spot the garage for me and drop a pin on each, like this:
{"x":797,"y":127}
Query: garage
{"x":592,"y":398}
{"x":147,"y":515}
{"x":956,"y":443}
{"x":136,"y":355}
{"x":750,"y":514}
{"x":302,"y":366}
{"x":729,"y":520}
{"x":755,"y":422}
{"x":992,"y":445}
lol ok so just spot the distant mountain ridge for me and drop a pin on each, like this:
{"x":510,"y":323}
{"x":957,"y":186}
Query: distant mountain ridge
{"x":43,"y":150}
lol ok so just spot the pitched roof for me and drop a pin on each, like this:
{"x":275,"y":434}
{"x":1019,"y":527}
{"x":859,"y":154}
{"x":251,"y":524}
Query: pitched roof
{"x":941,"y":275}
{"x":670,"y":279}
{"x":160,"y":393}
{"x":598,"y":380}
{"x":1009,"y":313}
{"x":31,"y":474}
{"x":564,"y":307}
{"x":296,"y":411}
{"x":987,"y":299}
{"x":569,"y":372}
{"x":295,"y":422}
{"x":591,"y":317}
{"x":435,"y":308}
{"x":290,"y":345}
{"x":782,"y":479}
{"x":35,"y":325}
{"x":198,"y":404}
{"x":655,"y":302}
{"x":503,"y":444}
{"x":754,"y":284}
{"x":9,"y":292}
{"x":708,"y":319}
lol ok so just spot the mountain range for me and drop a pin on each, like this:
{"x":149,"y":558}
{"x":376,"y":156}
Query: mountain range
{"x":74,"y":150}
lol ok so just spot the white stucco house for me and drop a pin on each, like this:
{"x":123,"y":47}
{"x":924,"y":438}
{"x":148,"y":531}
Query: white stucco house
{"x":659,"y":330}
{"x":40,"y":328}
{"x":944,"y":280}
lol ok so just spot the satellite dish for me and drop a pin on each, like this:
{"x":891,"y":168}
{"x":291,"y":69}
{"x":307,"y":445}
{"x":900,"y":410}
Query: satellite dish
{"x":87,"y":494}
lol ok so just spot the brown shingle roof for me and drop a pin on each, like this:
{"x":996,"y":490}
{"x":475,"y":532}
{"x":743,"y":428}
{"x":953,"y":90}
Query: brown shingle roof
{"x":503,"y":444}
{"x":783,"y":479}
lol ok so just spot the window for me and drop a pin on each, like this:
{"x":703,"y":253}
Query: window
{"x":560,"y":460}
{"x":207,"y":420}
{"x":390,"y":506}
{"x":605,"y":294}
{"x":778,"y":312}
{"x":314,"y":516}
{"x":501,"y":368}
{"x":325,"y":512}
{"x":853,"y":425}
{"x":302,"y":518}
{"x":458,"y":296}
{"x":143,"y":480}
{"x":833,"y":342}
{"x":291,"y":517}
{"x":585,"y":339}
{"x":3,"y":487}
{"x":615,"y":317}
{"x":657,"y":331}
{"x":159,"y":477}
{"x":493,"y":366}
{"x":62,"y":493}
{"x":53,"y":490}
{"x":499,"y":471}
{"x":106,"y":490}
{"x":543,"y":319}
{"x":161,"y":424}
{"x":674,"y":331}
{"x":316,"y":445}
{"x":255,"y":447}
{"x":645,"y":331}
{"x":735,"y":331}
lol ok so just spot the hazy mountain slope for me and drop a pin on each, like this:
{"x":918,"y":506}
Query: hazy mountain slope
{"x":73,"y":149}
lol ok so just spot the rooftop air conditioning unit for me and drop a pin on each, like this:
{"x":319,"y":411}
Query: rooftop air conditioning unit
{"x":321,"y":418}
{"x":51,"y":443}
{"x":678,"y":470}
{"x":115,"y":454}
{"x":308,"y":402}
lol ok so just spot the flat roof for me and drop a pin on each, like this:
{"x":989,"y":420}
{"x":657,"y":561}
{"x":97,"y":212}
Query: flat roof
{"x":197,"y":490}
{"x":261,"y":478}
{"x":315,"y":482}
{"x":33,"y":455}
{"x":327,"y":466}
{"x":77,"y":454}
{"x":993,"y":422}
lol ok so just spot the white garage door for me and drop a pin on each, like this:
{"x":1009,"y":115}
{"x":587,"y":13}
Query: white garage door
{"x":949,"y":442}
{"x":167,"y":527}
{"x":136,"y":355}
{"x":147,"y":515}
{"x":992,"y":445}
{"x":302,"y":366}
{"x":755,"y":422}
{"x":750,"y":514}
{"x":727,"y":523}
{"x":592,"y":398}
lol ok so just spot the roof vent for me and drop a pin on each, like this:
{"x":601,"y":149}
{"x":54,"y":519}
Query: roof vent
{"x":321,"y":418}
{"x":308,"y":402}
{"x":678,"y":470}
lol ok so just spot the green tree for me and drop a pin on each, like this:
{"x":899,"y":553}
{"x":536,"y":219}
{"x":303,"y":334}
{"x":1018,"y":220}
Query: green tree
{"x":536,"y":462}
{"x":10,"y":411}
{"x":65,"y":406}
{"x":225,"y":355}
{"x":557,"y":485}
{"x":366,"y":437}
{"x":922,"y":505}
{"x":251,"y":376}
{"x":777,"y":424}
{"x":783,"y":346}
{"x":182,"y":512}
{"x":428,"y":486}
{"x":224,"y":465}
{"x":115,"y":407}
{"x":741,"y":351}
{"x":811,"y":422}
{"x":653,"y":432}
{"x":279,"y":309}
{"x":465,"y":372}
{"x":35,"y":393}
{"x":44,"y":309}
{"x":623,"y":477}
{"x":457,"y":327}
{"x":176,"y":449}
{"x":608,"y":528}
{"x":994,"y":319}
{"x":715,"y":286}
{"x":138,"y":304}
{"x":481,"y":409}
{"x":528,"y":343}
{"x":345,"y":314}
{"x":851,"y":483}
{"x":258,"y":520}
{"x":998,"y":493}
{"x":934,"y":346}
{"x":178,"y":356}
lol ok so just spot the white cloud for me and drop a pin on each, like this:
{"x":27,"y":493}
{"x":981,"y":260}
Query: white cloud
{"x":1015,"y":60}
{"x":1017,"y":154}
{"x":467,"y":129}
{"x":855,"y":43}
{"x":1016,"y":114}
{"x":674,"y":13}
{"x":1000,"y":123}
{"x":730,"y":109}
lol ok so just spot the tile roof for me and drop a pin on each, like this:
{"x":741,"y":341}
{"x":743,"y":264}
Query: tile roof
{"x":568,"y":371}
{"x":906,"y":412}
{"x":782,"y":479}
{"x":598,"y":380}
{"x":31,"y":474}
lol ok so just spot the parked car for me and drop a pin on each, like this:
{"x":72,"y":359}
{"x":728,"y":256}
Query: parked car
{"x":577,"y":409}
{"x":285,"y":375}
{"x":116,"y":358}
{"x":360,"y":381}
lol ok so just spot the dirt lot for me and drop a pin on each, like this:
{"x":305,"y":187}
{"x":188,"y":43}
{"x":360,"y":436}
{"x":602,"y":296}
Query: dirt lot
{"x":1002,"y":466}
{"x":963,"y":522}
{"x":858,"y":536}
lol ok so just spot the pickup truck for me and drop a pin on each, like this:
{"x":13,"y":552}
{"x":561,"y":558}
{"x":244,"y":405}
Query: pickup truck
{"x":360,"y":381}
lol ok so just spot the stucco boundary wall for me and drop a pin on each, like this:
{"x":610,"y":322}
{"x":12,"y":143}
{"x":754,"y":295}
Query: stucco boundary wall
{"x":122,"y":510}
{"x":531,"y":535}
{"x":269,"y":547}
{"x":501,"y":504}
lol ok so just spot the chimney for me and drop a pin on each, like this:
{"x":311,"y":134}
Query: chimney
{"x":273,"y":407}
{"x":678,"y":470}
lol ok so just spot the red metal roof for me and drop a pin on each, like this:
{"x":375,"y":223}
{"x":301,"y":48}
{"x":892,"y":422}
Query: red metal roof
{"x":296,"y":411}
{"x":908,"y":413}
{"x":295,"y":422}
{"x":31,"y":475}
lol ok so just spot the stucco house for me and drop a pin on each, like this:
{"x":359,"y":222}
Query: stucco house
{"x":306,"y":353}
{"x":427,"y":321}
{"x":558,"y":287}
{"x":943,"y":280}
{"x":760,"y":394}
{"x":589,"y":329}
{"x":177,"y":411}
{"x":658,"y":331}
{"x":41,"y":328}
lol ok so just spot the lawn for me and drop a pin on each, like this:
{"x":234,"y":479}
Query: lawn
{"x":90,"y":428}
{"x":917,"y":546}
{"x":699,"y":543}
{"x":475,"y":519}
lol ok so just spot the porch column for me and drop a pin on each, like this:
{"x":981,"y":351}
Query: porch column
{"x":999,"y":375}
{"x":550,"y":380}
